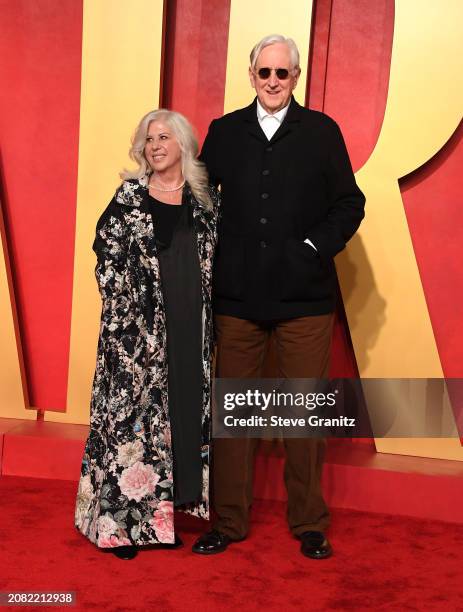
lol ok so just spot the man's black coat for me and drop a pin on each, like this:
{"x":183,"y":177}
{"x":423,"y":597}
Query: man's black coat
{"x":275,"y":194}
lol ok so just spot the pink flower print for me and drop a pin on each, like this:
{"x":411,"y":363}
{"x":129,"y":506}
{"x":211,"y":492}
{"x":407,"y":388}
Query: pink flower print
{"x":138,"y":481}
{"x":111,"y":541}
{"x":163,"y":522}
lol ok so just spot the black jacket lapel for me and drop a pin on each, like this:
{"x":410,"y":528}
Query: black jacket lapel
{"x":252,"y":122}
{"x":290,"y":121}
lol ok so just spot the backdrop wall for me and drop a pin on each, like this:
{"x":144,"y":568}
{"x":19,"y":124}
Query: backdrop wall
{"x":75,"y":78}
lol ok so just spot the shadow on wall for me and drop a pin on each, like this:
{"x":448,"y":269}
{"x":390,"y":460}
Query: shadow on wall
{"x":365,"y":302}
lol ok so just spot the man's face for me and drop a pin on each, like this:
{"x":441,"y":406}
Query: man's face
{"x":274,"y":93}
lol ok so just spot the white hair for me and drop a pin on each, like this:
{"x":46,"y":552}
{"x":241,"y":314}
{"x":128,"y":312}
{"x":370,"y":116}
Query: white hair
{"x":271,"y":40}
{"x":194,"y":172}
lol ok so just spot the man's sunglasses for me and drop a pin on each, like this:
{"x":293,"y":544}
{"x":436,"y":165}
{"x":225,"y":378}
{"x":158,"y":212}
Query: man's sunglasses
{"x":281,"y":73}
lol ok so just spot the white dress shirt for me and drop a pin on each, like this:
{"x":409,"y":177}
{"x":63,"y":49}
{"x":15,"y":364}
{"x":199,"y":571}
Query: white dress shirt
{"x":270,"y":124}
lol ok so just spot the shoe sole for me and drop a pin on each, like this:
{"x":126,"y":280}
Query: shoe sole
{"x":318,"y":557}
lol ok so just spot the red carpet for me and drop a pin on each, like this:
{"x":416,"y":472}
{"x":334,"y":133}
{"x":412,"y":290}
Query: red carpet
{"x":381,"y":562}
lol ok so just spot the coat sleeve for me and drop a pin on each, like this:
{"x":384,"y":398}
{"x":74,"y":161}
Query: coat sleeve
{"x":111,"y":248}
{"x":210,"y":154}
{"x":346,"y":201}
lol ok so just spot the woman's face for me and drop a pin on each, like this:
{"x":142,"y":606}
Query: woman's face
{"x":162,"y":149}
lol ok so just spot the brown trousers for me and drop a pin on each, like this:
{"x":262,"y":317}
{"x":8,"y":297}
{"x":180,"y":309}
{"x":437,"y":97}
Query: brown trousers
{"x":303,"y":351}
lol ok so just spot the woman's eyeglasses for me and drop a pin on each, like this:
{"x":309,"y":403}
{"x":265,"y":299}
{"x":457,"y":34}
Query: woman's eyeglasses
{"x":281,"y":73}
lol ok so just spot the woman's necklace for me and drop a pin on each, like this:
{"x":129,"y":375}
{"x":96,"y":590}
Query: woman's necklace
{"x":166,"y":188}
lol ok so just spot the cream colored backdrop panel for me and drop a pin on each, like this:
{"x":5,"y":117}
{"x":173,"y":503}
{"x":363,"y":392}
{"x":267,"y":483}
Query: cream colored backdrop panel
{"x":381,"y":286}
{"x":121,"y":65}
{"x":251,"y":21}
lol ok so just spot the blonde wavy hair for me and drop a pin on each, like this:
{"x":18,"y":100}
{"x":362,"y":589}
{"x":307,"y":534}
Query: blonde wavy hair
{"x":194,"y":172}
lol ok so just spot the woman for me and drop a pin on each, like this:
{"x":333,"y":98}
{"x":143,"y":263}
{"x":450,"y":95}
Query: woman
{"x":148,"y":446}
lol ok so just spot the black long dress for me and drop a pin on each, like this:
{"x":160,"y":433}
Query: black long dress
{"x":181,"y":286}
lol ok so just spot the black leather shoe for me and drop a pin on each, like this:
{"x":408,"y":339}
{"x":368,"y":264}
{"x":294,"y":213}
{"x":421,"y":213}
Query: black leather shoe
{"x":125,"y":552}
{"x":211,"y":543}
{"x":315,"y":545}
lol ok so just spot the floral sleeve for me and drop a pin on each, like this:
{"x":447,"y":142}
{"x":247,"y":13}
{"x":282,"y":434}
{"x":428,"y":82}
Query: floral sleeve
{"x":111,"y":248}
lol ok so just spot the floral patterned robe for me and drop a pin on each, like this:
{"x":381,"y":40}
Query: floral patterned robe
{"x":125,"y":491}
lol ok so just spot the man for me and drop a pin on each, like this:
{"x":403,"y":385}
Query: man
{"x":289,"y":204}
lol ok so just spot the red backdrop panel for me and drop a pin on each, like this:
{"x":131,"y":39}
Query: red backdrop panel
{"x":196,"y":59}
{"x":40,"y":49}
{"x":39,"y":122}
{"x":432,"y":199}
{"x":351,"y":58}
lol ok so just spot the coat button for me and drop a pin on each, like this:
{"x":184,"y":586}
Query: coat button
{"x":265,"y":196}
{"x":263,"y":220}
{"x":263,"y":244}
{"x":269,"y":149}
{"x":265,"y":172}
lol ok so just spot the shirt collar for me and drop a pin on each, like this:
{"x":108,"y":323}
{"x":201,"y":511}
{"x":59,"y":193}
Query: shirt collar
{"x":279,"y":116}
